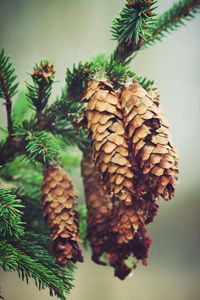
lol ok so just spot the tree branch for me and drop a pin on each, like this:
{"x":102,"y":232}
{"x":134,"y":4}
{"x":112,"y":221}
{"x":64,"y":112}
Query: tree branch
{"x":8,"y":86}
{"x":173,"y":18}
{"x":183,"y":10}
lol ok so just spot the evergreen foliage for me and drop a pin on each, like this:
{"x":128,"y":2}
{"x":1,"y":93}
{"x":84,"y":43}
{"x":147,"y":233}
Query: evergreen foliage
{"x":104,"y":68}
{"x":135,"y":28}
{"x":40,"y":91}
{"x":41,"y":146}
{"x":39,"y":134}
{"x":134,"y":22}
{"x":10,"y":215}
{"x":172,"y":19}
{"x":21,"y":257}
{"x":8,"y":85}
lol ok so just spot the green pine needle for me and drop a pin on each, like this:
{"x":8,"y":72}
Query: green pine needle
{"x":32,"y":261}
{"x":11,"y":224}
{"x":76,"y":81}
{"x":135,"y":32}
{"x":42,"y":146}
{"x":8,"y":84}
{"x":111,"y":69}
{"x":172,"y":19}
{"x":134,"y":22}
{"x":40,"y":91}
{"x":65,"y":109}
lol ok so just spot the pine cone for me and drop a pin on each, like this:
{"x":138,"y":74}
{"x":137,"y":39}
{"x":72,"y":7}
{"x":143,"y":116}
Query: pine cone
{"x":58,"y":209}
{"x":110,"y":149}
{"x":110,"y":229}
{"x":104,"y":121}
{"x":99,"y":207}
{"x":150,"y":141}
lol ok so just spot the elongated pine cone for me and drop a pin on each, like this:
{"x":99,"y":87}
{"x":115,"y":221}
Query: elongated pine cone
{"x":135,"y":160}
{"x":104,"y":220}
{"x":111,"y":157}
{"x":58,"y":203}
{"x":99,"y":207}
{"x":150,"y":141}
{"x":110,"y":148}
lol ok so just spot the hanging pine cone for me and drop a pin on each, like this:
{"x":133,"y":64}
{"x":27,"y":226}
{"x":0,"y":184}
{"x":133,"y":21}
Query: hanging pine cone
{"x":150,"y":141}
{"x":104,"y":121}
{"x":99,"y":207}
{"x":58,"y":208}
{"x":110,"y":229}
{"x":111,"y":157}
{"x":110,"y":149}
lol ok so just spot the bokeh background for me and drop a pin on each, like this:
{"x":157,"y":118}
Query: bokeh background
{"x":67,"y":31}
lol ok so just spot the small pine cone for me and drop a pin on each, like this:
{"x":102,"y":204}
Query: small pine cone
{"x":58,"y":203}
{"x":150,"y":140}
{"x":99,"y":206}
{"x":110,"y":148}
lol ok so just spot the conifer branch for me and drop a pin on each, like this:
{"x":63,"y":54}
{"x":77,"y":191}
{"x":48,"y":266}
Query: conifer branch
{"x":8,"y":86}
{"x":60,"y":118}
{"x":39,"y":93}
{"x":133,"y":27}
{"x":101,"y":66}
{"x":20,"y":257}
{"x":41,"y":146}
{"x":172,"y":19}
{"x":183,"y":10}
{"x":10,"y":215}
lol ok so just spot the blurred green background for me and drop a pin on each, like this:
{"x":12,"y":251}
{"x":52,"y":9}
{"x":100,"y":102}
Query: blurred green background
{"x":66,"y":31}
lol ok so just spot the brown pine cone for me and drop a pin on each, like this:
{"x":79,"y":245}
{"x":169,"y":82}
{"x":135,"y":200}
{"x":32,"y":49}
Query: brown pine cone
{"x":58,"y":203}
{"x":99,"y":207}
{"x":110,"y":148}
{"x":150,"y":141}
